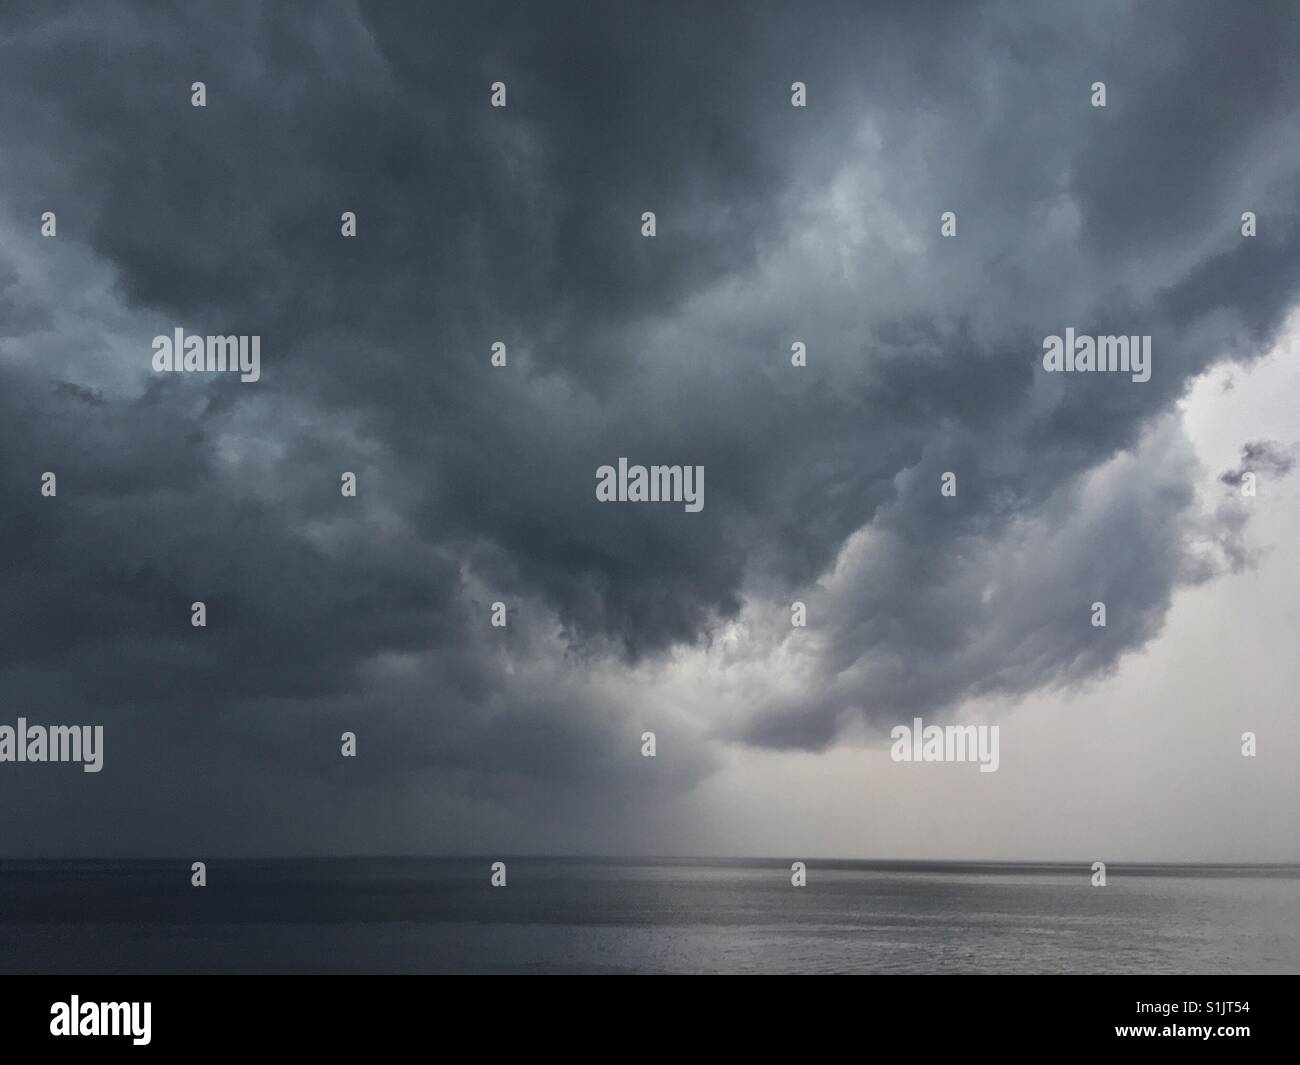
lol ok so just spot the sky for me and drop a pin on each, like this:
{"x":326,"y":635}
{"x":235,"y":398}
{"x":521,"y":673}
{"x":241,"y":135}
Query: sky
{"x":775,"y":224}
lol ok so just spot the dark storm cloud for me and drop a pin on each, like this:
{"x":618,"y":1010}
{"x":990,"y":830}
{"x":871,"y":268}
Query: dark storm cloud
{"x":522,"y":225}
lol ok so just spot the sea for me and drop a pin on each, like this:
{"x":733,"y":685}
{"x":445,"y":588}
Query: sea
{"x":662,"y":915}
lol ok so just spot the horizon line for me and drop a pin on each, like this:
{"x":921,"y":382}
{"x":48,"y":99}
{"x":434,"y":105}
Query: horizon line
{"x":504,"y":856}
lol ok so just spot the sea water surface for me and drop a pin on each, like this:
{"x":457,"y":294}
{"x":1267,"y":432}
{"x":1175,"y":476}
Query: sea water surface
{"x":571,"y":915}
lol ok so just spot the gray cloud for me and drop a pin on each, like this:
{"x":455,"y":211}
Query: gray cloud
{"x":1260,"y":456}
{"x":522,"y":225}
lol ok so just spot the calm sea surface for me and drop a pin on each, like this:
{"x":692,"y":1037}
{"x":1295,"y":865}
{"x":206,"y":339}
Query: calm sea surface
{"x":660,"y":915}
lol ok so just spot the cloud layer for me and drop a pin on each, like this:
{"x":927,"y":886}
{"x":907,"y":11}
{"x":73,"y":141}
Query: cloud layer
{"x":476,"y":483}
